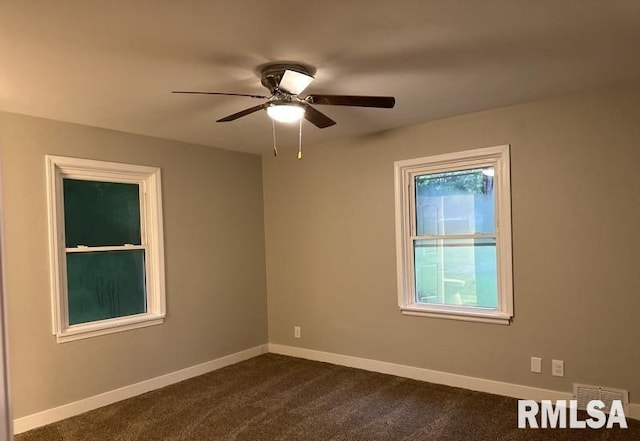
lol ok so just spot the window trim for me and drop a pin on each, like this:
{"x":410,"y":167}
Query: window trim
{"x":149,"y":180}
{"x":404,"y":173}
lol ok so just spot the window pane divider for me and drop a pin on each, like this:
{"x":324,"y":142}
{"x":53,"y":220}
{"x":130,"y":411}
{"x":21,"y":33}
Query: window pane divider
{"x":455,"y":236}
{"x":86,"y":249}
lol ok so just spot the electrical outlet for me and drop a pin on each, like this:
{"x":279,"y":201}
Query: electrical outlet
{"x":536,"y":365}
{"x":296,"y":332}
{"x":557,"y":368}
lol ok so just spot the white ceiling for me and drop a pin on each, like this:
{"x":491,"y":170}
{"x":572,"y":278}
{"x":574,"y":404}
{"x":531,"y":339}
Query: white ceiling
{"x":113,"y":63}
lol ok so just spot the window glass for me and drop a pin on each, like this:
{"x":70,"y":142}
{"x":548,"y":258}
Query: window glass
{"x":104,"y":285}
{"x":458,"y":202}
{"x":456,"y":272}
{"x":101,"y":213}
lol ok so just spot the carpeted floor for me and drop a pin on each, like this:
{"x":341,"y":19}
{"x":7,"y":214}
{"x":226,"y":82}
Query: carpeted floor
{"x":273,"y":397}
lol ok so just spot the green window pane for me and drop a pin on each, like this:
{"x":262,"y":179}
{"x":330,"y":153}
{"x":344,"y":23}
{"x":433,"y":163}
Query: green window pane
{"x":456,"y":272}
{"x":101,"y":213}
{"x":459,"y":202}
{"x":104,"y":285}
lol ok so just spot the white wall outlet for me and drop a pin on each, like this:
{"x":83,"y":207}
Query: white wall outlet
{"x":557,"y":368}
{"x":536,"y":365}
{"x":296,"y":332}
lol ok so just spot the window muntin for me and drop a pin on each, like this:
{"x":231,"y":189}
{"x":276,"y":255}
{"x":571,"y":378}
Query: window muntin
{"x":107,"y":262}
{"x":453,"y":235}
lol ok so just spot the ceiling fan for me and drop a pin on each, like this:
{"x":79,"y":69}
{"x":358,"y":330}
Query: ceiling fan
{"x":285,"y":83}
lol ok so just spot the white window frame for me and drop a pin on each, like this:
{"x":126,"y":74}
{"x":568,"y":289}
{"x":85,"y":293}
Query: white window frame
{"x":405,"y":173}
{"x":148,"y":179}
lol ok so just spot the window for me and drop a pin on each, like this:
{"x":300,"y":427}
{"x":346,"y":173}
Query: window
{"x":453,"y":235}
{"x":106,"y":249}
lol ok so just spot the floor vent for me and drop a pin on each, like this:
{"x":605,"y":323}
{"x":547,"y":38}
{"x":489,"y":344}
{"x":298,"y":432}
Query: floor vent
{"x":585,"y":393}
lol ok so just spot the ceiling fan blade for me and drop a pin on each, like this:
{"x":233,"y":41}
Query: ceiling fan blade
{"x":294,"y":82}
{"x":317,"y":118}
{"x":386,"y":102}
{"x":220,"y":93}
{"x":242,"y":113}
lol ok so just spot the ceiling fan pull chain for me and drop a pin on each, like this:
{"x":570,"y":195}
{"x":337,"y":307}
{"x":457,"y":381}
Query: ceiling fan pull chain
{"x":275,"y":148}
{"x":300,"y":140}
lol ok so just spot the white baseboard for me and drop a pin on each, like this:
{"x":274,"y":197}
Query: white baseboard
{"x":473,"y":383}
{"x":438,"y":377}
{"x":77,"y":407}
{"x":633,"y":411}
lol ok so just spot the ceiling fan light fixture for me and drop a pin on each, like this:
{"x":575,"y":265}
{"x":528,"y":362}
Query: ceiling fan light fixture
{"x":286,"y":112}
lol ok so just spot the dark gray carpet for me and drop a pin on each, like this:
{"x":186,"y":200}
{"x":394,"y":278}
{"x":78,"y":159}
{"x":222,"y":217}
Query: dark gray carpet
{"x":274,"y":397}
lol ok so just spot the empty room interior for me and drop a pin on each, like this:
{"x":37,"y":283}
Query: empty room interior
{"x":444,"y":225}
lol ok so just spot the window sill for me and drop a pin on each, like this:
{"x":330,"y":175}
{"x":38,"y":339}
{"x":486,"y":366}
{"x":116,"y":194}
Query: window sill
{"x":456,"y":314}
{"x":104,"y":327}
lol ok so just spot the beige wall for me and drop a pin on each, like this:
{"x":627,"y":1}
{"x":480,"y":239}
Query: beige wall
{"x":214,"y":251}
{"x":330,"y":235}
{"x":330,"y":238}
